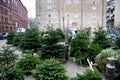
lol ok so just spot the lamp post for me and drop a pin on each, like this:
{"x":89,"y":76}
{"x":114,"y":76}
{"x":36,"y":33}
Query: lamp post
{"x":66,"y":41}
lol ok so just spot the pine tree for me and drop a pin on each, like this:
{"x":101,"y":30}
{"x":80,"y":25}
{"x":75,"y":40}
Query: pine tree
{"x":50,"y":47}
{"x":7,"y":57}
{"x":7,"y":62}
{"x":79,"y":47}
{"x":31,"y":39}
{"x":50,"y":69}
{"x":101,"y":39}
{"x":10,"y":37}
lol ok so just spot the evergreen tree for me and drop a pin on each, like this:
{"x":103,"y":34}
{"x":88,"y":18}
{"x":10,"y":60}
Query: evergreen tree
{"x":50,"y":69}
{"x":27,"y":63}
{"x":61,"y":34}
{"x":117,"y":43}
{"x":17,"y":39}
{"x":101,"y":39}
{"x":7,"y":62}
{"x":7,"y":57}
{"x":50,"y":47}
{"x":79,"y":47}
{"x":10,"y":37}
{"x":31,"y":39}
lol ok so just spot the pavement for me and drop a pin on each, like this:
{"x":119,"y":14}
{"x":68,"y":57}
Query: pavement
{"x":72,"y":69}
{"x":2,"y":43}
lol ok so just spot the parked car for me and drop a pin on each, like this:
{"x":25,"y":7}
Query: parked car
{"x":1,"y":37}
{"x":4,"y":35}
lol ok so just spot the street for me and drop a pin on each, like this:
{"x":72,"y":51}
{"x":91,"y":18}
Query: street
{"x":2,"y":43}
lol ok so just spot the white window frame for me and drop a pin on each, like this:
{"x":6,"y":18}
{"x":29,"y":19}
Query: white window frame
{"x":49,"y":1}
{"x":49,"y":7}
{"x":68,"y":1}
{"x":76,"y":1}
{"x":94,"y":7}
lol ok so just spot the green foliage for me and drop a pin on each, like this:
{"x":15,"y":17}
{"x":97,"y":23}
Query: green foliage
{"x":28,"y":51}
{"x":10,"y":37}
{"x":7,"y":61}
{"x":79,"y":47}
{"x":11,"y":74}
{"x":17,"y":39}
{"x":101,"y":58}
{"x":101,"y":39}
{"x":94,"y":50}
{"x":61,"y":34}
{"x":51,"y":69}
{"x":89,"y":75}
{"x":117,"y":66}
{"x":117,"y":43}
{"x":50,"y":47}
{"x":28,"y":63}
{"x":50,"y":37}
{"x":52,"y":51}
{"x":7,"y":57}
{"x":31,"y":39}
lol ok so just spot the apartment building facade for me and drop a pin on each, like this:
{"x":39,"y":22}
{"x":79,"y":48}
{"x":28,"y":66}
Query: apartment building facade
{"x":70,"y":13}
{"x":110,"y":13}
{"x":13,"y":15}
{"x":113,"y":13}
{"x":117,"y":14}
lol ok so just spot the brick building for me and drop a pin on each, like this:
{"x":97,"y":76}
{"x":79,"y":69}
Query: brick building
{"x":70,"y":13}
{"x":13,"y":15}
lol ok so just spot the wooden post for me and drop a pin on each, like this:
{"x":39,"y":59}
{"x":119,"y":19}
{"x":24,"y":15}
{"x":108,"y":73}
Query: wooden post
{"x":110,"y":66}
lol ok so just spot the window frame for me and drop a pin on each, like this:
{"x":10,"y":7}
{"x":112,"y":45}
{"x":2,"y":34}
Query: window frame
{"x":68,"y":1}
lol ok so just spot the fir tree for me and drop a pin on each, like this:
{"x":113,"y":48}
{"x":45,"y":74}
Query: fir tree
{"x":31,"y":39}
{"x":101,"y":39}
{"x":79,"y":47}
{"x":50,"y":47}
{"x":7,"y":57}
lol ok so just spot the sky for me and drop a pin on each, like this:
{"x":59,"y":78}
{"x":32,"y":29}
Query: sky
{"x":30,"y":5}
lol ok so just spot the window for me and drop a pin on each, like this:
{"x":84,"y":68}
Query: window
{"x":94,"y":7}
{"x":76,"y":1}
{"x":8,"y":1}
{"x":1,"y":10}
{"x":5,"y":2}
{"x":5,"y":11}
{"x":94,"y":17}
{"x":2,"y":19}
{"x":49,"y":1}
{"x":0,"y":1}
{"x":6,"y":28}
{"x":49,"y":7}
{"x":94,"y":2}
{"x":12,"y":1}
{"x":49,"y":15}
{"x":10,"y":28}
{"x":76,"y":16}
{"x":2,"y":28}
{"x":68,"y":1}
{"x":6,"y":20}
{"x":49,"y":21}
